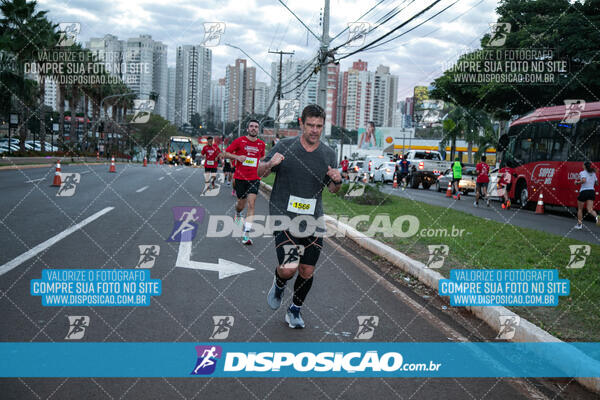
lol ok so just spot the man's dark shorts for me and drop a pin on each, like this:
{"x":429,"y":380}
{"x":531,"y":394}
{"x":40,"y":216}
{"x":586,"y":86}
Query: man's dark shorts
{"x":479,"y":185}
{"x":456,"y":180}
{"x":244,"y":188}
{"x":312,"y":246}
{"x":210,"y":170}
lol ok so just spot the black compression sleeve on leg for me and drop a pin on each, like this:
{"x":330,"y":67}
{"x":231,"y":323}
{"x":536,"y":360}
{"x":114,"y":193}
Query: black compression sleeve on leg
{"x":279,"y":280}
{"x":301,"y":289}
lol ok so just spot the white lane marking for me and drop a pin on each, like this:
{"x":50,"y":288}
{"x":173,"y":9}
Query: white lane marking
{"x":44,"y":245}
{"x":179,"y":169}
{"x":225,"y":268}
{"x":161,"y":178}
{"x":35,"y":180}
{"x":84,"y":172}
{"x":140,"y":190}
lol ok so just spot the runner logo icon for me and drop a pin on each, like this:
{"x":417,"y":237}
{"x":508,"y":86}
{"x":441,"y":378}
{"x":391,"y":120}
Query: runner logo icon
{"x":207,"y":359}
{"x":222,"y":325}
{"x":186,"y":223}
{"x":579,"y":254}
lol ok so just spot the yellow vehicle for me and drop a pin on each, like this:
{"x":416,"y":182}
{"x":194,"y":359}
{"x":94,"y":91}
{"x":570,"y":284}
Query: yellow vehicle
{"x":180,"y":150}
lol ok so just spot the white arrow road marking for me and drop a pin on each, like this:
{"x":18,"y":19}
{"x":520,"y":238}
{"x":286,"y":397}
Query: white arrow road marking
{"x":140,"y":190}
{"x":225,"y":268}
{"x":34,"y":180}
{"x":44,"y":245}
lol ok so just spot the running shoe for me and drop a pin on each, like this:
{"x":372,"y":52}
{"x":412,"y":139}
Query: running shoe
{"x":475,"y":204}
{"x":487,"y":202}
{"x":246,"y":240}
{"x":238,"y":219}
{"x":275,"y":295}
{"x":579,"y":226}
{"x":293,"y":317}
{"x":503,"y":206}
{"x":598,"y":220}
{"x":233,"y":192}
{"x":508,"y":204}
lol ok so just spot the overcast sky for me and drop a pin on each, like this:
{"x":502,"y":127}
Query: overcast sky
{"x":257,"y":26}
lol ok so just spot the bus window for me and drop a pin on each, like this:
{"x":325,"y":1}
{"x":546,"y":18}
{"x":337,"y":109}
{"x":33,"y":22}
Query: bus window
{"x":523,"y":144}
{"x":587,"y":146}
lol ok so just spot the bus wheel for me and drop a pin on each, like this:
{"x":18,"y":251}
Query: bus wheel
{"x":523,"y":195}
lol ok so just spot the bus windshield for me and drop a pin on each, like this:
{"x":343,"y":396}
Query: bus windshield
{"x":180,"y":144}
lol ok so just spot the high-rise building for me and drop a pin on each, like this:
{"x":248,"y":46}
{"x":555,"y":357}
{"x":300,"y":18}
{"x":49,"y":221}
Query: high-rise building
{"x":261,"y":98}
{"x":368,"y":96}
{"x":192,"y":82}
{"x":333,"y":72}
{"x":160,"y":78}
{"x":240,"y":84}
{"x":217,"y":100}
{"x":171,"y":95}
{"x":298,"y":82}
{"x":141,"y":63}
{"x":139,"y":58}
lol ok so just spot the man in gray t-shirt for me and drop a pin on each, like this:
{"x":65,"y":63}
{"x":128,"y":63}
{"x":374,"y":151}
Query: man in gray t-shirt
{"x":303,"y":167}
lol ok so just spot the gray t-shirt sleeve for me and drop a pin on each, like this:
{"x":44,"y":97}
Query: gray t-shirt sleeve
{"x":278,"y":148}
{"x":333,"y":164}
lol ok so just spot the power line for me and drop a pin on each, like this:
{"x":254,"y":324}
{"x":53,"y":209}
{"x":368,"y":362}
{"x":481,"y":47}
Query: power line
{"x":358,"y":19}
{"x":392,"y":31}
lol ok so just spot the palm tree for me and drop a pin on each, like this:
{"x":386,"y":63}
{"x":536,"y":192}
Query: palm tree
{"x":23,"y":33}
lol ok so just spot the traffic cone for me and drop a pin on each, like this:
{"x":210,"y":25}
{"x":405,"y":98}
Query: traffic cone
{"x":112,"y":165}
{"x":449,"y":190}
{"x":97,"y":156}
{"x":395,"y":182}
{"x":57,"y":181}
{"x":540,"y":205}
{"x":145,"y":162}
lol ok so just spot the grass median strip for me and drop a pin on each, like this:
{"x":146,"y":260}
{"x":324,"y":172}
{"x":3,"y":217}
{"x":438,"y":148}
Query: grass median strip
{"x":477,"y":243}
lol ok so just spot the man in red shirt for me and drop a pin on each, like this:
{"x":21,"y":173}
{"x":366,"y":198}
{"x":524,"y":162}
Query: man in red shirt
{"x":247,"y":151}
{"x":211,"y":154}
{"x":345,"y":163}
{"x":481,"y":184}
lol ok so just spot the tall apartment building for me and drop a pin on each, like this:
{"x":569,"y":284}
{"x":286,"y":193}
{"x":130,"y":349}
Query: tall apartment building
{"x":261,"y":98}
{"x":368,"y":96}
{"x":141,"y":63}
{"x":295,"y":85}
{"x":192,"y":82}
{"x":171,"y":95}
{"x":217,"y":100}
{"x":240,"y":84}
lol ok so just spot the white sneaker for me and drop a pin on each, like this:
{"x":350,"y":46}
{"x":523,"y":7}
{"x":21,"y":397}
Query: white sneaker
{"x":475,"y":204}
{"x":579,"y":226}
{"x":487,"y":201}
{"x":598,"y":220}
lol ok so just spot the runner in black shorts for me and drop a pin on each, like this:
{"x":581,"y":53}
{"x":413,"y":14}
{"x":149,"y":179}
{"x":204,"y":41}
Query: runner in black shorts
{"x":303,"y":167}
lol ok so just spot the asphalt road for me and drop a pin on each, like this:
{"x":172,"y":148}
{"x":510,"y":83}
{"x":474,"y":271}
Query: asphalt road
{"x":552,"y":221}
{"x":346,"y":286}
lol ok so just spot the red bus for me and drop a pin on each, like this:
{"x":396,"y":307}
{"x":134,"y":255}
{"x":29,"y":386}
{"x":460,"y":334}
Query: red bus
{"x":547,"y":148}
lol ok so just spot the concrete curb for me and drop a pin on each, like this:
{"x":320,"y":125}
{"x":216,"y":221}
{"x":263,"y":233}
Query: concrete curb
{"x":526,"y":332}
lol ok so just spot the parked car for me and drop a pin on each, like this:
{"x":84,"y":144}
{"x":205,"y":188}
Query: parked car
{"x":428,"y":164}
{"x":355,"y":169}
{"x":465,"y":185}
{"x":385,"y":172}
{"x":4,"y":147}
{"x":372,"y":163}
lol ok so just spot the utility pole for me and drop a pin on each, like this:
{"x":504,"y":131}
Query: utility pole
{"x":281,"y":53}
{"x":322,"y":98}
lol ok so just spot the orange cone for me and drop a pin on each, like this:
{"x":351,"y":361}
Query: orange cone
{"x":57,"y":181}
{"x":395,"y":182}
{"x":540,"y":205}
{"x":449,"y":190}
{"x":97,"y":156}
{"x":145,"y":162}
{"x":112,"y":165}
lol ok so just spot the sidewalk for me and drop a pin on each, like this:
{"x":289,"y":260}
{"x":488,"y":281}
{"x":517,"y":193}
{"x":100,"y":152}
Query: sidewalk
{"x":34,"y":162}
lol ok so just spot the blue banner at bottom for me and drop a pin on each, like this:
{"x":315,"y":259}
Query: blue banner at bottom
{"x":297,"y":359}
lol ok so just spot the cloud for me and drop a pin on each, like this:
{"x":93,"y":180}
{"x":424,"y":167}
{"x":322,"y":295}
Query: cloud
{"x":258,"y":26}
